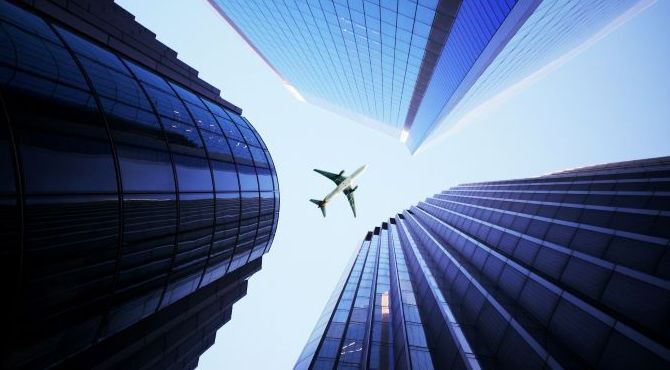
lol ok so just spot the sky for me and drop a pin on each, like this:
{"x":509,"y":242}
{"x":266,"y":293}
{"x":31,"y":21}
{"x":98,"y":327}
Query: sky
{"x":609,"y":103}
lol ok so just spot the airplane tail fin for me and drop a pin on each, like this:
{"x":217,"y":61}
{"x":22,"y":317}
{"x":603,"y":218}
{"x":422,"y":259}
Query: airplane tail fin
{"x":319,"y":204}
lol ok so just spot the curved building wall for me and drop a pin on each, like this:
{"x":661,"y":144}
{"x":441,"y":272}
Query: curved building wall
{"x":121,"y":192}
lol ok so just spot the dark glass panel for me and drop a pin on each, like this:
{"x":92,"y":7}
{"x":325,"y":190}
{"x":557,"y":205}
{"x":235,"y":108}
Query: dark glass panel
{"x":187,"y":96}
{"x":7,"y":181}
{"x":115,"y":85}
{"x":193,"y":174}
{"x":91,"y":51}
{"x":69,"y":262}
{"x":183,"y":138}
{"x":203,"y":118}
{"x":37,"y":56}
{"x":241,"y":152}
{"x":225,"y":176}
{"x":196,"y":211}
{"x":217,"y":146}
{"x":264,"y":179}
{"x":259,"y":156}
{"x":248,"y":179}
{"x":167,"y":104}
{"x":30,"y":22}
{"x":249,"y":136}
{"x":66,"y":164}
{"x":134,"y":126}
{"x":148,"y":77}
{"x":236,"y":118}
{"x":250,"y":205}
{"x":229,"y":129}
{"x":144,"y":170}
{"x":267,"y":202}
{"x":227,"y":207}
{"x":150,"y":222}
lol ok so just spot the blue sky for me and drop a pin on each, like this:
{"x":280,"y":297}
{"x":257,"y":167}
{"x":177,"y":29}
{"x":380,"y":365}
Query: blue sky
{"x":609,"y":103}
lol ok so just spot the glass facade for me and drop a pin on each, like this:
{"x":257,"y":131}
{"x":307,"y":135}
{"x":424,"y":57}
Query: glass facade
{"x":555,"y":31}
{"x":123,"y":195}
{"x":569,"y":270}
{"x":402,"y":65}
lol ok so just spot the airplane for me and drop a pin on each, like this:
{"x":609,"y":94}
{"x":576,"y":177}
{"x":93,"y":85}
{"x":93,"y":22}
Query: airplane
{"x":343,"y":185}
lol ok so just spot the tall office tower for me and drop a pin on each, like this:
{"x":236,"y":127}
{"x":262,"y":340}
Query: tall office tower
{"x":569,"y":270}
{"x":134,"y":202}
{"x":413,"y":68}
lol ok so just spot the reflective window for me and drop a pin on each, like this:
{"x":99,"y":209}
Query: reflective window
{"x":66,"y":164}
{"x":248,"y":179}
{"x":241,"y":152}
{"x":145,"y":170}
{"x":217,"y":146}
{"x":183,"y":138}
{"x":264,"y":179}
{"x":225,"y":176}
{"x":259,"y":156}
{"x":193,"y":174}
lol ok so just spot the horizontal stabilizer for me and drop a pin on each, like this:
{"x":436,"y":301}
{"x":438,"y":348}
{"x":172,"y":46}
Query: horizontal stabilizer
{"x":319,"y":204}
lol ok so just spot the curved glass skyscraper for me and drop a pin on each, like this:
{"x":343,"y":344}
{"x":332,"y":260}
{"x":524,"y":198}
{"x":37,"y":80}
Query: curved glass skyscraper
{"x":134,"y":202}
{"x":565,"y":271}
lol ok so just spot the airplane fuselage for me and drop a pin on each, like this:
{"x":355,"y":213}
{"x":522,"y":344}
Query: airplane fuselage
{"x":344,"y":184}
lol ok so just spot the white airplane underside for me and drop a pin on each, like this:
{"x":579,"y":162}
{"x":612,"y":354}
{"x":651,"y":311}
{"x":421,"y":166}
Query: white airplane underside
{"x":343,"y":186}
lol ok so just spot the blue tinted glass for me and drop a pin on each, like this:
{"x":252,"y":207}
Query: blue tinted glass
{"x":248,"y":178}
{"x":148,"y":77}
{"x":241,"y":152}
{"x":168,"y":105}
{"x":259,"y":156}
{"x":225,"y":176}
{"x":217,"y":146}
{"x":115,"y":85}
{"x":236,"y":118}
{"x":192,"y":174}
{"x":91,"y":51}
{"x":182,"y":137}
{"x":249,"y":136}
{"x":43,"y":58}
{"x":19,"y":17}
{"x":67,"y":164}
{"x":187,"y":95}
{"x":145,"y":170}
{"x":229,"y":128}
{"x":264,"y":179}
{"x":204,"y":119}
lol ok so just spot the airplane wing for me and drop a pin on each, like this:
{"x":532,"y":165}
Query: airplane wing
{"x":349,"y":192}
{"x":337,"y":179}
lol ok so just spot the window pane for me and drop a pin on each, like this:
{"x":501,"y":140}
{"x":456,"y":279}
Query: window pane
{"x":145,"y":170}
{"x":193,"y":174}
{"x":66,"y":164}
{"x":248,"y":178}
{"x":225,"y":176}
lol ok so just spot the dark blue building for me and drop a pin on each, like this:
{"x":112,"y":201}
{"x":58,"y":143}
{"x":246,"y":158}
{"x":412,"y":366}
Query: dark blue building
{"x":134,"y":201}
{"x":569,"y":270}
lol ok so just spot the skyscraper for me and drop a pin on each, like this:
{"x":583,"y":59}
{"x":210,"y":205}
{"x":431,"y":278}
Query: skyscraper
{"x":569,"y":270}
{"x":134,"y":202}
{"x":414,"y":68}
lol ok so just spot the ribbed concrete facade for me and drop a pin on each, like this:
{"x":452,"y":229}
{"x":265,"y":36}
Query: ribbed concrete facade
{"x":569,"y":270}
